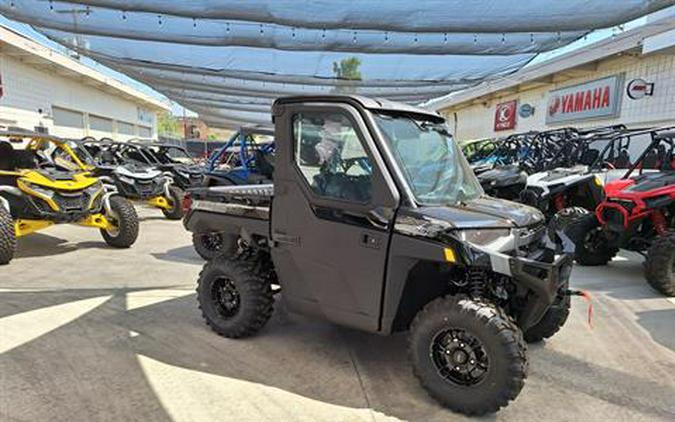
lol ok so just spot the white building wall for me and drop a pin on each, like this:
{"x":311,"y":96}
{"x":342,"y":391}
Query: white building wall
{"x":476,"y":121}
{"x":30,"y":93}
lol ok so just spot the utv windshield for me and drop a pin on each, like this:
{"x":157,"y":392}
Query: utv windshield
{"x":430,"y":160}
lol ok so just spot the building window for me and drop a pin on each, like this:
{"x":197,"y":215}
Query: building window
{"x":144,"y":132}
{"x":67,"y":118}
{"x":124,"y":128}
{"x":100,"y":124}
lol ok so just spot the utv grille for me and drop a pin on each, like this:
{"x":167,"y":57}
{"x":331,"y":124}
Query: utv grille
{"x":70,"y":202}
{"x":146,"y":187}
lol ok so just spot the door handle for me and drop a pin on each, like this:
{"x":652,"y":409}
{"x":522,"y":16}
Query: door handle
{"x":285,"y":239}
{"x":370,"y":241}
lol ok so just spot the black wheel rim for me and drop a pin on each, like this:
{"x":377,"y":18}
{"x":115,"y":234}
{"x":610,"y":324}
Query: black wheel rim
{"x":459,"y":357}
{"x":593,"y":240}
{"x":225,"y":297}
{"x":212,"y":241}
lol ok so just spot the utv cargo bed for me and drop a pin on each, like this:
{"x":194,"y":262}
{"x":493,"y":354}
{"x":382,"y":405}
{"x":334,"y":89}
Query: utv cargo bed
{"x":218,"y":208}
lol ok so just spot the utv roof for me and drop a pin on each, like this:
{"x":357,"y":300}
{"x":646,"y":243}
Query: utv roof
{"x":152,"y":143}
{"x":374,"y":104}
{"x":260,"y":130}
{"x":24,"y":133}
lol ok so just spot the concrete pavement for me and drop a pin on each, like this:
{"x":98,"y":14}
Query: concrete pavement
{"x":92,"y":333}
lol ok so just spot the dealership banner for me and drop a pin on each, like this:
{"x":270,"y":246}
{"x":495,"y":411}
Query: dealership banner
{"x":505,"y":115}
{"x":597,"y":99}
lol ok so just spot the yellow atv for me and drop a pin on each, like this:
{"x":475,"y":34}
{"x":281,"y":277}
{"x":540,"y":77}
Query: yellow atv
{"x":37,"y":192}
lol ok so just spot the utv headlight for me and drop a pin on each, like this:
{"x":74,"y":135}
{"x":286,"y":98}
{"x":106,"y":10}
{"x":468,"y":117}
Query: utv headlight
{"x":497,"y":240}
{"x":42,"y":191}
{"x":127,"y":180}
{"x":484,"y":237}
{"x":39,"y":192}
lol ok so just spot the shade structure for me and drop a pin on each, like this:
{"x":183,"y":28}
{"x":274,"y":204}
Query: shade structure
{"x":229,"y":59}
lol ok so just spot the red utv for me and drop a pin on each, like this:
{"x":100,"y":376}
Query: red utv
{"x":638,"y":214}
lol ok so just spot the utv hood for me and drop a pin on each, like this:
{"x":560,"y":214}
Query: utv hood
{"x":482,"y":213}
{"x":503,"y":176}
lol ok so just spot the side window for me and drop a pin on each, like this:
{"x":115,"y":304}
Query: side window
{"x":331,"y":157}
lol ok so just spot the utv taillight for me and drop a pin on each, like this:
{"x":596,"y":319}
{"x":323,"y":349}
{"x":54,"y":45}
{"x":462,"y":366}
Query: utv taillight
{"x":187,"y":203}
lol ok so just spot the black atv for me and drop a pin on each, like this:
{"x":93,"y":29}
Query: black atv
{"x":184,"y":169}
{"x":117,"y":163}
{"x":375,"y":221}
{"x":568,"y":178}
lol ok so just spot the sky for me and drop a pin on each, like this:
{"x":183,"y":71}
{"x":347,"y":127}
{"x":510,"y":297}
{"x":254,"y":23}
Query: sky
{"x":177,"y":110}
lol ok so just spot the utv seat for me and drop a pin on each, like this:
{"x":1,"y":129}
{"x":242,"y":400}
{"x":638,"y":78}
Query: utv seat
{"x":7,"y":159}
{"x":623,"y":160}
{"x":651,"y":160}
{"x":589,"y":157}
{"x":265,"y":167}
{"x":24,"y":159}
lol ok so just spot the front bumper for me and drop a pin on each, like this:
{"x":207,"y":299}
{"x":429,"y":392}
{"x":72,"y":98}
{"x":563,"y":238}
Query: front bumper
{"x":540,"y":266}
{"x":544,"y":280}
{"x":142,"y":189}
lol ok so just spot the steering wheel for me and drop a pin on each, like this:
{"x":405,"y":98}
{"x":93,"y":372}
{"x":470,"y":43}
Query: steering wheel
{"x":362,"y":162}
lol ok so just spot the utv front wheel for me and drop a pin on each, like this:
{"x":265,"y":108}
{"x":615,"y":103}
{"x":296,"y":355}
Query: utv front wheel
{"x":124,"y":222}
{"x":591,"y":249}
{"x":660,"y":264}
{"x":175,"y":199}
{"x":7,"y":237}
{"x":234,"y":299}
{"x":210,"y":245}
{"x":468,"y":354}
{"x":553,"y":319}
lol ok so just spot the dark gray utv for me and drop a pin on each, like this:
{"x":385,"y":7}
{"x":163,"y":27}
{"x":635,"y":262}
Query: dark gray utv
{"x":375,"y":221}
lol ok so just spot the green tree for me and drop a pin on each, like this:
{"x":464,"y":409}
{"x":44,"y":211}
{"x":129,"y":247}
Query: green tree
{"x":168,"y":124}
{"x":346,"y":70}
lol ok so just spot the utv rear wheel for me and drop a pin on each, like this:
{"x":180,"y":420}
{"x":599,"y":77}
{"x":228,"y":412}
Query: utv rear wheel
{"x":175,"y":199}
{"x":124,"y":220}
{"x":590,"y":247}
{"x":7,"y":237}
{"x":234,"y":299}
{"x":553,"y":319}
{"x":210,"y":245}
{"x":660,"y":264}
{"x":468,"y":354}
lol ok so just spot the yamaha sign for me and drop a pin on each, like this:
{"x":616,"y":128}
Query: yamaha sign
{"x":598,"y":99}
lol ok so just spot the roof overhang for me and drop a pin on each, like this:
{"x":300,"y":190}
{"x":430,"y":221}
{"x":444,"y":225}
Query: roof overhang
{"x":36,"y":55}
{"x":642,"y":40}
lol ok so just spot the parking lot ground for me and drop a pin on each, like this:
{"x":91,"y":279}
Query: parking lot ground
{"x":90,"y":333}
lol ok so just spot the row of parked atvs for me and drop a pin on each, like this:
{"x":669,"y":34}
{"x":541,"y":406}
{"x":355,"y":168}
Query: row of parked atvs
{"x":46,"y":180}
{"x":615,"y":187}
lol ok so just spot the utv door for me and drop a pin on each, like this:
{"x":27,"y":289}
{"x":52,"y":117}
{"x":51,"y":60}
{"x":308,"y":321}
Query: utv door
{"x":332,"y":214}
